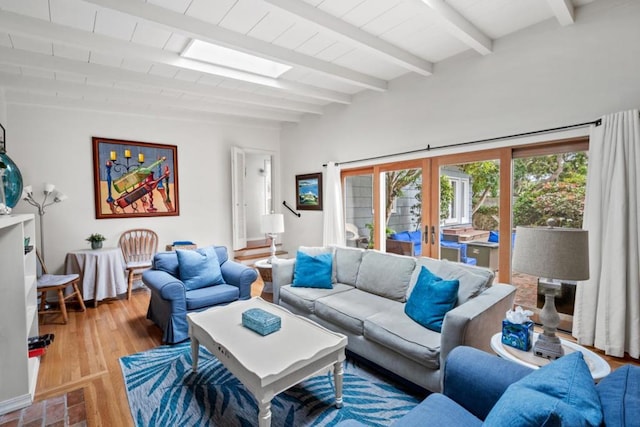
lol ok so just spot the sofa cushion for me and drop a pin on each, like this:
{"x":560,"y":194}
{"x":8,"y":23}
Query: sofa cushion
{"x":167,"y":262}
{"x":620,"y":396}
{"x":437,"y":410}
{"x":317,"y":250}
{"x":313,"y":271}
{"x":349,"y":309}
{"x":347,"y":264}
{"x":212,"y":295}
{"x":473,"y":280}
{"x":410,"y":236}
{"x":303,"y":299}
{"x":387,"y":275}
{"x":560,"y":393}
{"x":199,"y":268}
{"x":431,"y":299}
{"x":396,"y":331}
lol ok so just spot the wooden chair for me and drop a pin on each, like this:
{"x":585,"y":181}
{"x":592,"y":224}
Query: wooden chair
{"x":57,"y":283}
{"x":138,"y":248}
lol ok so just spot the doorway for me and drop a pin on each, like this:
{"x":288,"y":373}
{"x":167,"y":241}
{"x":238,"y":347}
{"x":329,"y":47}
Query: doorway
{"x":252,"y":193}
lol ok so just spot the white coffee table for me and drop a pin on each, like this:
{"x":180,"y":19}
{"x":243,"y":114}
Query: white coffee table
{"x":267,"y":365}
{"x":597,"y":365}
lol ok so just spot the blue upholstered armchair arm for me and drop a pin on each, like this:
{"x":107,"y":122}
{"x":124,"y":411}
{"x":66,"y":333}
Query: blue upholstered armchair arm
{"x":239,"y":275}
{"x":164,"y":284}
{"x":476,"y":379}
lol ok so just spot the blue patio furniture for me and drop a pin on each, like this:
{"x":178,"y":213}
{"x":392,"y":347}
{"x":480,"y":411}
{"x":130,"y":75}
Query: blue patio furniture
{"x":414,"y":237}
{"x":455,"y":251}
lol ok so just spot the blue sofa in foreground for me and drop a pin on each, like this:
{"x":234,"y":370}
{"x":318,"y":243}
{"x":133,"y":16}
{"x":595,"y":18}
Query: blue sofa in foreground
{"x":186,"y":281}
{"x":482,"y":389}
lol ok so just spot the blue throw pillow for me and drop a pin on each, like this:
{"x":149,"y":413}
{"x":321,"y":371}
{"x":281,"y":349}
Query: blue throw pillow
{"x":313,"y":271}
{"x":431,"y":299}
{"x":199,"y":268}
{"x":561,"y":393}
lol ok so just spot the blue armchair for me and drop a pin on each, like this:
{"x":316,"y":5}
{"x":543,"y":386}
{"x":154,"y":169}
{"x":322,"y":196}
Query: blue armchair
{"x":171,"y":300}
{"x":474,"y":382}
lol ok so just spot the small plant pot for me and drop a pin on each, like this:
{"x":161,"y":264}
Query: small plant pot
{"x":96,"y":245}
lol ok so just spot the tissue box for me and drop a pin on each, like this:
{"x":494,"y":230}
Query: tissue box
{"x":260,"y":321}
{"x":516,"y":335}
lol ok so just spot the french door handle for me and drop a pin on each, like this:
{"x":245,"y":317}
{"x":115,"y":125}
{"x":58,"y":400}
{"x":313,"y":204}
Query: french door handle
{"x":426,"y":234}
{"x":433,"y":235}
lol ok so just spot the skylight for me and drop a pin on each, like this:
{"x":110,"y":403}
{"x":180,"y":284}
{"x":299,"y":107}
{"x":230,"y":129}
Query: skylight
{"x":213,"y":54}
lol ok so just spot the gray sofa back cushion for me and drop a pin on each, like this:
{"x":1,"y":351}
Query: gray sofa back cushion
{"x":347,"y":262}
{"x":387,"y":275}
{"x":473,"y":280}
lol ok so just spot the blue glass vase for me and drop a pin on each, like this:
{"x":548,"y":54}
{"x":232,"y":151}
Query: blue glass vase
{"x":12,"y":181}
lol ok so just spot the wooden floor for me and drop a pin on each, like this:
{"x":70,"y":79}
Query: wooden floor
{"x":86,"y":353}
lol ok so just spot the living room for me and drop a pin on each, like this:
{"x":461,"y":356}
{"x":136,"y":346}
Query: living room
{"x":543,"y":76}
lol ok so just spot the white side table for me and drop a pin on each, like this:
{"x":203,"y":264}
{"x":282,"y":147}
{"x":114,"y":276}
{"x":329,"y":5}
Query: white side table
{"x":597,"y":365}
{"x":264,"y":268}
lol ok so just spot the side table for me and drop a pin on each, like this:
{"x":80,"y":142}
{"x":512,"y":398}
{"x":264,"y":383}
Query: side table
{"x":102,"y":272}
{"x":264,"y":268}
{"x":597,"y":365}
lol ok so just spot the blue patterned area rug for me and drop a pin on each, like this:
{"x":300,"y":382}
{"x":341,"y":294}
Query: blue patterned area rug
{"x":163,"y":391}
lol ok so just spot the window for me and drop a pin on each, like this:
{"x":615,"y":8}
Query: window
{"x":459,"y":206}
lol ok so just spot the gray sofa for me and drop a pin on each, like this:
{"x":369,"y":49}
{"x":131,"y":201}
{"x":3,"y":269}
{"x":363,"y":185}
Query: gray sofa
{"x":367,"y":300}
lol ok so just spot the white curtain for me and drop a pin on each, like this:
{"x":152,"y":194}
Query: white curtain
{"x":607,"y":312}
{"x":333,"y":214}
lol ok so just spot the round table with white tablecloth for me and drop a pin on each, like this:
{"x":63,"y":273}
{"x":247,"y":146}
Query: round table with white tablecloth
{"x":102,"y":272}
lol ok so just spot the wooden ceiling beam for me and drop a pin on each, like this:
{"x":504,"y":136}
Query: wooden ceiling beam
{"x":132,"y":97}
{"x":563,"y":10}
{"x":23,"y":58}
{"x":14,"y":23}
{"x":353,"y":35}
{"x":459,"y":27}
{"x":205,"y":31}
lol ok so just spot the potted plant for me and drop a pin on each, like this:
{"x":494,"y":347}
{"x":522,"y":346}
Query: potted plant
{"x":96,"y":240}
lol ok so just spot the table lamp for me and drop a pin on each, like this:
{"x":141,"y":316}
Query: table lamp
{"x":551,"y":253}
{"x":272,"y":224}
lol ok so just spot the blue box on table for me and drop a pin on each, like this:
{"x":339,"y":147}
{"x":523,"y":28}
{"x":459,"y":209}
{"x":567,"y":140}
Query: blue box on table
{"x":260,"y":321}
{"x":517,"y":335}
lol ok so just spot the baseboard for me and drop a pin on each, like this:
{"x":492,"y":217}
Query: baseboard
{"x":15,"y":403}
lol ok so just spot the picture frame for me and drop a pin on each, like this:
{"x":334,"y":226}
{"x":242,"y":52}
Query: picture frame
{"x":309,"y":192}
{"x":134,"y":179}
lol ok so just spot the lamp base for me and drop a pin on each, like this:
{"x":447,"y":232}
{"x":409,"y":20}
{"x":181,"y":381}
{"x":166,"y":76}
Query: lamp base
{"x":548,"y":347}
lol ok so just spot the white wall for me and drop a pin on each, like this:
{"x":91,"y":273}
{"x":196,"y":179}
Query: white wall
{"x":54,"y":145}
{"x":543,"y":77}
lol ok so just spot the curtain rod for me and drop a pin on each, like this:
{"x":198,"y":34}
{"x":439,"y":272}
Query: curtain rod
{"x":478,"y":141}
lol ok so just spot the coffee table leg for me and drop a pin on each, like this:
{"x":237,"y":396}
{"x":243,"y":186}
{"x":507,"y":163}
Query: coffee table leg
{"x":264,"y":414}
{"x":195,"y":347}
{"x":338,"y":372}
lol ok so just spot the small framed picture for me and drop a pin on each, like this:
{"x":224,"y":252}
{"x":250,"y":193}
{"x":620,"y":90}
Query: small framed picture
{"x":309,"y":192}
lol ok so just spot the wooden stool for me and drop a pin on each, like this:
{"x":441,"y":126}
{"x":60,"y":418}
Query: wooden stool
{"x":57,"y":283}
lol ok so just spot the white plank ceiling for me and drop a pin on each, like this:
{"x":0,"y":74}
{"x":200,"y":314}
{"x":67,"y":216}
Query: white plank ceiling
{"x":124,"y":55}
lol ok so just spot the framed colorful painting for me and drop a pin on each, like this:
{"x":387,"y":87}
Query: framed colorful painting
{"x":134,"y":179}
{"x":309,"y":192}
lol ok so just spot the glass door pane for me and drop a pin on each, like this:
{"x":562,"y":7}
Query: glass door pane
{"x":359,"y":210}
{"x":402,"y":198}
{"x":544,"y":187}
{"x":469,"y":212}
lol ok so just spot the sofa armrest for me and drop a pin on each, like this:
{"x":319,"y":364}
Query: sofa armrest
{"x":164,"y":284}
{"x":476,"y":321}
{"x":475,"y":379}
{"x":281,"y":275}
{"x":239,"y":275}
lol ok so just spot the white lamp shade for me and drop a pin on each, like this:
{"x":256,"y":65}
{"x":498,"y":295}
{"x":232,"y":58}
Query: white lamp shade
{"x":272,"y":223}
{"x":48,"y":188}
{"x":553,"y":253}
